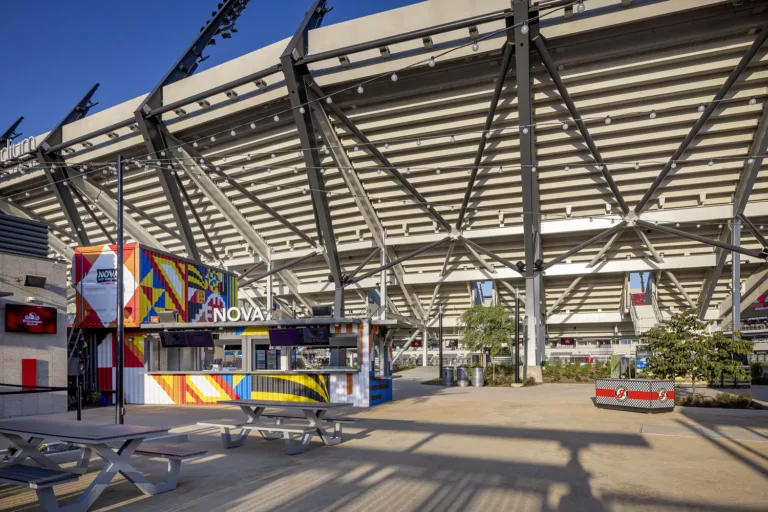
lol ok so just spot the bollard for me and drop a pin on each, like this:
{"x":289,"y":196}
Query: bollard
{"x":79,"y":398}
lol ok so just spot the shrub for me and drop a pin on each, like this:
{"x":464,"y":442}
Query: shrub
{"x":399,"y":367}
{"x":602,"y":370}
{"x":571,"y":371}
{"x":92,"y":397}
{"x":721,"y":400}
{"x":530,"y":381}
{"x":553,"y":371}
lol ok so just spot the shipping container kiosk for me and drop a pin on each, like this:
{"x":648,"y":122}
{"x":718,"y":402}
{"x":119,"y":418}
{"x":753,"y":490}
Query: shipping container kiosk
{"x":166,"y":294}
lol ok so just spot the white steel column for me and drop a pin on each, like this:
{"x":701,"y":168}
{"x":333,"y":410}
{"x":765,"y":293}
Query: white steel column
{"x":270,"y":297}
{"x":736,"y":275}
{"x":424,"y":343}
{"x":383,"y":286}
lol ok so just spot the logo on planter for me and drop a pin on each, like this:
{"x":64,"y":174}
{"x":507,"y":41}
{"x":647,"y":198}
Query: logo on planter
{"x":621,"y":393}
{"x":663,"y":395}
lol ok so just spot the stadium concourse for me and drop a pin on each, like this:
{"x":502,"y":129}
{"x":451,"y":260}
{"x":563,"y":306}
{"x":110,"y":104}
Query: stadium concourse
{"x":602,"y":157}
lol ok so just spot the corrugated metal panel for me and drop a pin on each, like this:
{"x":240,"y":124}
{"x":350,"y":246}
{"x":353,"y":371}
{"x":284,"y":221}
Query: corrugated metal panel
{"x":24,"y":237}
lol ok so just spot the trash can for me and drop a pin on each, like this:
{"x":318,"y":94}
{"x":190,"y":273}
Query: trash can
{"x":447,"y":376}
{"x":478,"y":376}
{"x":462,"y":376}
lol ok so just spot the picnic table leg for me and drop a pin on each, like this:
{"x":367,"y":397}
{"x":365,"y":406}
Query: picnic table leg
{"x":295,"y":447}
{"x":83,"y":460}
{"x":27,"y":449}
{"x":316,"y":420}
{"x":226,"y":437}
{"x":254,"y":417}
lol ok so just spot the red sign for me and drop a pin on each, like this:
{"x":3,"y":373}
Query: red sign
{"x":567,"y":341}
{"x":638,"y":299}
{"x":31,"y":319}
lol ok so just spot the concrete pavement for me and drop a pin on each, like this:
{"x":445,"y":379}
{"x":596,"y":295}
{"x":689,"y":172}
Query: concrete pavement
{"x":544,"y":448}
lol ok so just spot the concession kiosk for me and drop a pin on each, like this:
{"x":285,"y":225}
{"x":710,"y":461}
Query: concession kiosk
{"x":187,"y":342}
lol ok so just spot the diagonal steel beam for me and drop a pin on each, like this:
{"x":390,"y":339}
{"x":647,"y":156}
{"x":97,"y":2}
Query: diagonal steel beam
{"x":509,"y":47}
{"x":362,"y":264}
{"x":605,"y":248}
{"x":152,"y":127}
{"x":743,"y":191}
{"x":679,"y":286}
{"x":563,"y":295}
{"x":57,"y":176}
{"x":421,"y":201}
{"x":360,"y":196}
{"x":252,"y":197}
{"x":59,"y":173}
{"x":587,"y":243}
{"x":644,"y":239}
{"x":276,"y":270}
{"x":563,"y":90}
{"x":199,"y":221}
{"x":10,"y":134}
{"x":398,"y":260}
{"x":108,"y":206}
{"x":753,"y":229}
{"x":715,"y":243}
{"x":710,"y":108}
{"x":479,"y":259}
{"x":443,"y":271}
{"x":91,"y":213}
{"x":488,"y":253}
{"x":214,"y":194}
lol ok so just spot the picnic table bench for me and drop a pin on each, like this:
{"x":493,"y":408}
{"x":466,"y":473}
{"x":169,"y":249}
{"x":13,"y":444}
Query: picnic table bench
{"x":113,"y":443}
{"x":296,"y":431}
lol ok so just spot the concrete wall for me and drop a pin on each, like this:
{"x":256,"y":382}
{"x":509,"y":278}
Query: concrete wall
{"x":49,"y":349}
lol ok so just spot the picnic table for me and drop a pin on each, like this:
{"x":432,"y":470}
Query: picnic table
{"x":113,"y":443}
{"x":296,"y":431}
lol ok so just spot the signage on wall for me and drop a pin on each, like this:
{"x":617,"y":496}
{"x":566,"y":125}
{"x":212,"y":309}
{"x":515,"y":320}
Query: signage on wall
{"x":30,"y":319}
{"x":106,"y":275}
{"x":241,"y":314}
{"x":11,"y":151}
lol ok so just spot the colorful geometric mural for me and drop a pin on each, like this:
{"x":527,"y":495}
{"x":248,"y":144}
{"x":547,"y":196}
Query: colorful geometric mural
{"x":163,"y":285}
{"x":153,"y":282}
{"x":209,"y":290}
{"x":209,"y":389}
{"x":203,"y":389}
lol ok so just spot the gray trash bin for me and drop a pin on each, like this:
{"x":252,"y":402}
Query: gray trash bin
{"x":447,"y":376}
{"x":462,"y":376}
{"x":478,"y":376}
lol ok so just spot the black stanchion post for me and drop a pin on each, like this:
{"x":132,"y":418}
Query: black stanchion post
{"x":517,"y":338}
{"x":119,"y":405}
{"x":440,"y":340}
{"x":79,"y":399}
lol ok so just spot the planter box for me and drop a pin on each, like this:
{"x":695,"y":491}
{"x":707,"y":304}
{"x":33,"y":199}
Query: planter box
{"x":635,"y":394}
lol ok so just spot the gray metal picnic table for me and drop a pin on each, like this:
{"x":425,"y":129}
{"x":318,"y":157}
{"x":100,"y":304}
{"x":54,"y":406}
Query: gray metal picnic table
{"x":28,"y":434}
{"x":314,"y":413}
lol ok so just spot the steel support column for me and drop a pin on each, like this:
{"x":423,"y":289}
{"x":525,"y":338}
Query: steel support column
{"x":302,"y":114}
{"x":383,"y":286}
{"x":360,"y":196}
{"x":736,"y":275}
{"x":534,"y":281}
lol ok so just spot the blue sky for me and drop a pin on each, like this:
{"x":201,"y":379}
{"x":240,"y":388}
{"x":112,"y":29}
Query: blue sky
{"x":55,"y":50}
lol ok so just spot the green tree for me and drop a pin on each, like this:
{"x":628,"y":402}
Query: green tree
{"x":487,"y":330}
{"x":682,"y":346}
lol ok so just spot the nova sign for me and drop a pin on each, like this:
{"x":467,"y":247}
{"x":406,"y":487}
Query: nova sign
{"x":11,"y":151}
{"x":244,"y":314}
